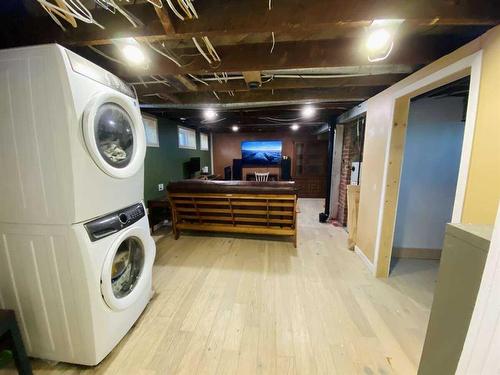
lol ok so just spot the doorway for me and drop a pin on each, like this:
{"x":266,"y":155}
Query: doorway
{"x":430,"y":166}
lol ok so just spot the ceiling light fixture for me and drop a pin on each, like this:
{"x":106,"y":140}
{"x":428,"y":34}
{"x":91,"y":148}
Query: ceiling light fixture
{"x":308,"y":111}
{"x":295,"y":127}
{"x":380,"y":39}
{"x":235,"y":128}
{"x":209,"y":114}
{"x":132,"y":52}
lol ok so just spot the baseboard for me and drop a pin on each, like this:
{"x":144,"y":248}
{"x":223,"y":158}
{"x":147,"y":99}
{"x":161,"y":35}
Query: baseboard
{"x":416,"y":253}
{"x":363,"y":257}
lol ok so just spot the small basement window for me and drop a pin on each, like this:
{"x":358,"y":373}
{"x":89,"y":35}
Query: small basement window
{"x":203,"y":141}
{"x":187,"y":138}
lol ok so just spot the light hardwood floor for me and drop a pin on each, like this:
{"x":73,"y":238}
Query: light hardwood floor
{"x":232,"y":305}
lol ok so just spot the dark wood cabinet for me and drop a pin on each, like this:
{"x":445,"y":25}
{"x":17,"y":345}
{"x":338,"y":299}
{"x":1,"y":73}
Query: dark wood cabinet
{"x":310,"y":168}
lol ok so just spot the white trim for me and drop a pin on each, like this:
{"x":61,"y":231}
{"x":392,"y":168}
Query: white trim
{"x":336,"y":166}
{"x":212,"y":153}
{"x":365,"y":260}
{"x":151,"y":122}
{"x":470,"y":124}
{"x":473,"y":62}
{"x":482,"y":343}
{"x":201,"y":144}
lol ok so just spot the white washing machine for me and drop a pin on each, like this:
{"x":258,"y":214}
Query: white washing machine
{"x":72,"y":141}
{"x":77,"y":289}
{"x":72,"y":147}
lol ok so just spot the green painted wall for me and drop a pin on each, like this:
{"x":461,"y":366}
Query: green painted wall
{"x":166,"y":163}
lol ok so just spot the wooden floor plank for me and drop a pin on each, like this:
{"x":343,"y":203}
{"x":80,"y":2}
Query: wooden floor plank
{"x":231,"y":304}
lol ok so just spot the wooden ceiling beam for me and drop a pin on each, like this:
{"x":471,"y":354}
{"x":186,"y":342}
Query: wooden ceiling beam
{"x":165,"y":20}
{"x":295,"y":55}
{"x":222,"y":17}
{"x":280,"y":83}
{"x":331,"y":94}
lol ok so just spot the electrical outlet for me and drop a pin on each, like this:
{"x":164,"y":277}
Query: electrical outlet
{"x":160,"y":187}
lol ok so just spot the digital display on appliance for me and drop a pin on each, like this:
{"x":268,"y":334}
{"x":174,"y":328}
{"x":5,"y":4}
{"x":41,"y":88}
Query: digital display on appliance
{"x":261,"y":152}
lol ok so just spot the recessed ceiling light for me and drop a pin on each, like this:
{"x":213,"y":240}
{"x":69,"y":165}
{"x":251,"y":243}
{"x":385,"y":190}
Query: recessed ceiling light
{"x":235,"y":128}
{"x":209,"y":114}
{"x":295,"y":127}
{"x":183,"y":119}
{"x":308,"y":111}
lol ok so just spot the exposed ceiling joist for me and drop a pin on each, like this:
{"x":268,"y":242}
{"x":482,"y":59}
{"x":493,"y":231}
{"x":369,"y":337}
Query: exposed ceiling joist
{"x":221,"y":17}
{"x":280,"y":83}
{"x":326,"y":94}
{"x":290,"y":55}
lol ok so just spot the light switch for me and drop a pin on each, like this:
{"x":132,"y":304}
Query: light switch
{"x":160,"y":187}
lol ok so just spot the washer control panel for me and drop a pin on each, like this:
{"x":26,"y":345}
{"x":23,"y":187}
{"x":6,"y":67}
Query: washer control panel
{"x":113,"y":223}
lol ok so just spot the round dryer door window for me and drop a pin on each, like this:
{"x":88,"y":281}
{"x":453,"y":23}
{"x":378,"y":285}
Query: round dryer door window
{"x":127,"y":269}
{"x":127,"y":266}
{"x":114,"y":134}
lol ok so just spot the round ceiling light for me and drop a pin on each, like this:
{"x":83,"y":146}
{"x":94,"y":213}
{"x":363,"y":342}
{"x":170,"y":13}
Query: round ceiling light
{"x":235,"y":128}
{"x":308,"y":111}
{"x":133,"y":54}
{"x":209,"y":114}
{"x":295,"y":127}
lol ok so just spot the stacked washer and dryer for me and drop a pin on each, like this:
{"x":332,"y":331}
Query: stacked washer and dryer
{"x":76,"y":254}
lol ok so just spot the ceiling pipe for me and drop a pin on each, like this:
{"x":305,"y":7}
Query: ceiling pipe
{"x":222,"y":106}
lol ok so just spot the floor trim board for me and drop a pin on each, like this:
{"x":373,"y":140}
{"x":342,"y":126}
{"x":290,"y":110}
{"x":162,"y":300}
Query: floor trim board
{"x":365,"y":260}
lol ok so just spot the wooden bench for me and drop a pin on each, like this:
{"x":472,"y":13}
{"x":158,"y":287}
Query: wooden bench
{"x":237,"y":207}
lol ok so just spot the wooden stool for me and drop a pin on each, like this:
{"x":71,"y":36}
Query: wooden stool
{"x":10,"y":338}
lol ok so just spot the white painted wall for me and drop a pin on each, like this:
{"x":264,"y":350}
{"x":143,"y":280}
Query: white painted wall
{"x":430,"y":170}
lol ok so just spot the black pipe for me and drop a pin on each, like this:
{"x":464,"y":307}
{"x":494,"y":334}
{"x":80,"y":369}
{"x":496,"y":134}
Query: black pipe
{"x":323,"y":216}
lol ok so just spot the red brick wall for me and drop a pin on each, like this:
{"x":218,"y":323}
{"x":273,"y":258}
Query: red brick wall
{"x":348,"y":153}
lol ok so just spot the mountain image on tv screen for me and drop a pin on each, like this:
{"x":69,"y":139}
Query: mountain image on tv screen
{"x":261,"y":152}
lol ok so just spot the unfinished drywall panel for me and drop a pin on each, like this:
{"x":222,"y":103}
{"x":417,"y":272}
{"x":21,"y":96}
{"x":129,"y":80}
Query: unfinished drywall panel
{"x":483,"y":184}
{"x":429,"y":174}
{"x":378,"y":121}
{"x":378,"y":125}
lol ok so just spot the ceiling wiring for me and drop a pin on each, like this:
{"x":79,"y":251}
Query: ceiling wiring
{"x":174,"y":10}
{"x":163,"y":81}
{"x":163,"y":53}
{"x":156,"y":3}
{"x":215,"y":94}
{"x":99,"y":52}
{"x":274,"y":42}
{"x":108,"y":5}
{"x":69,"y":10}
{"x":198,"y":47}
{"x":198,"y":79}
{"x":211,"y":49}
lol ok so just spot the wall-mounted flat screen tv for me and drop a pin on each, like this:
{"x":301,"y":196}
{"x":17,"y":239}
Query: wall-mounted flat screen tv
{"x":261,"y":152}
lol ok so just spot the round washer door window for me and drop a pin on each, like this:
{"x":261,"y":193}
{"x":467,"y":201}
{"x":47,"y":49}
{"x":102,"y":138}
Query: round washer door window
{"x":127,"y":266}
{"x":114,"y":134}
{"x":127,"y":269}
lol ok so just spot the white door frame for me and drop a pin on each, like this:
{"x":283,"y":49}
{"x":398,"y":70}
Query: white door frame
{"x":473,"y":64}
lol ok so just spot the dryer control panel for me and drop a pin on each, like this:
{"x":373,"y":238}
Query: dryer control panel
{"x":113,"y":223}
